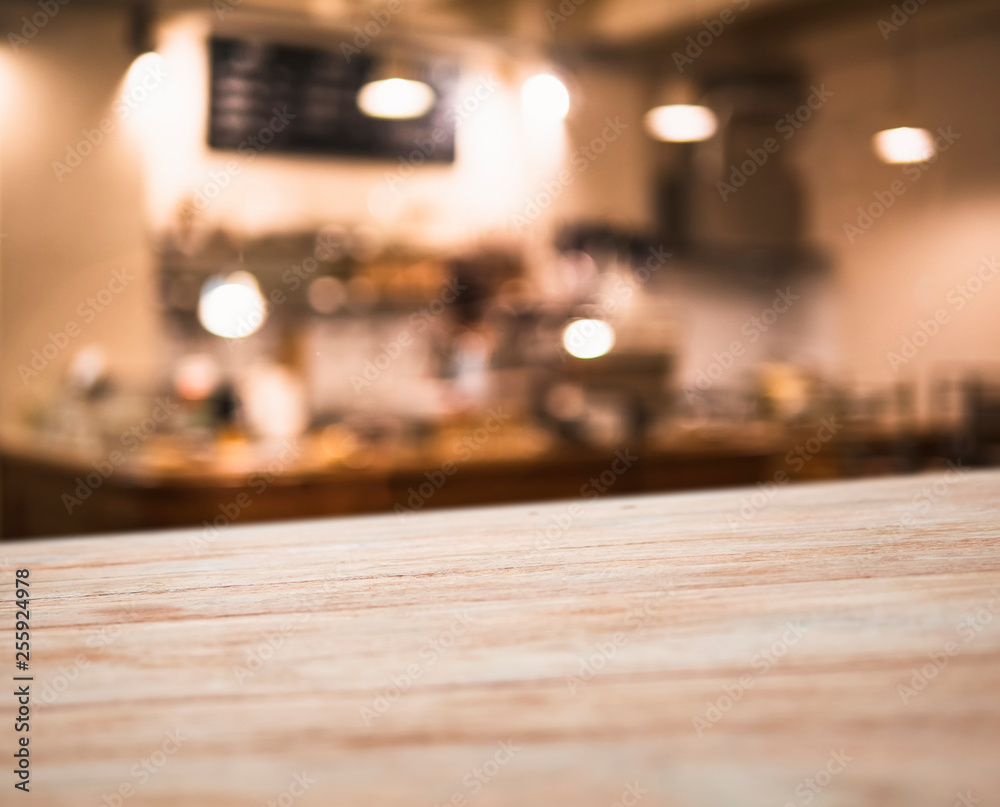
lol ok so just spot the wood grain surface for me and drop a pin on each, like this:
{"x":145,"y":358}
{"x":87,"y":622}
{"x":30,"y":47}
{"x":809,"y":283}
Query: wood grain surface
{"x":830,"y":644}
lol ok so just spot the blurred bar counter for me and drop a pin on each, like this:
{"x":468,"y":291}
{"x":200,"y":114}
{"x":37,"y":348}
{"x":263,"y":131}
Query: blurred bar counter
{"x":50,"y":491}
{"x":53,"y":491}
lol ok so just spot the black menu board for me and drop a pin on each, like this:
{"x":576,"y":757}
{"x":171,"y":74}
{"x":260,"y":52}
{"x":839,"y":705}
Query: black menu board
{"x":270,"y":98}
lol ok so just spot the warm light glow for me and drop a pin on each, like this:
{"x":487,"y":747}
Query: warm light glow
{"x":147,"y":70}
{"x":545,"y":97}
{"x":7,"y":84}
{"x":196,"y":376}
{"x":88,"y":366}
{"x":326,"y":294}
{"x":396,"y":98}
{"x":681,"y":123}
{"x":165,"y":118}
{"x":903,"y":145}
{"x":588,"y":338}
{"x":273,"y":401}
{"x":231,"y":308}
{"x":491,"y":162}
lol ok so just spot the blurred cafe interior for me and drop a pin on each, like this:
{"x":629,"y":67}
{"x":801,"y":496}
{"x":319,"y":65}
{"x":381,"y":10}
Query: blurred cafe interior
{"x":277,"y":259}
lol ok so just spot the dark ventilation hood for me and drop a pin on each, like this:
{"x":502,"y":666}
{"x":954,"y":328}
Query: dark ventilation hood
{"x":737,"y":199}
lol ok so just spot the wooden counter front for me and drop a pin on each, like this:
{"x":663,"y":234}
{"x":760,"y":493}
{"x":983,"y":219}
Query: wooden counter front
{"x":33,"y":485}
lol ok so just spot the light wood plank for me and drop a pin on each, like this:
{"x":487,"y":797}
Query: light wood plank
{"x":153,"y":630}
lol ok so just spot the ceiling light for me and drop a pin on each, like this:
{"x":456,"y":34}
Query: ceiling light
{"x":396,"y":98}
{"x":588,"y":338}
{"x":903,"y":145}
{"x":146,"y":69}
{"x":681,"y":123}
{"x":545,"y":97}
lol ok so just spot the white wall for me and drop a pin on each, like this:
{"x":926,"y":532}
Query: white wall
{"x":935,"y":235}
{"x":63,"y":239}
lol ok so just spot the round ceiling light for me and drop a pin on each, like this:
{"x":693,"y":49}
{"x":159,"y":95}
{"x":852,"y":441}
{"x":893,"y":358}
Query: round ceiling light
{"x":903,"y":145}
{"x":545,"y":97}
{"x":681,"y":123}
{"x":396,"y":99}
{"x":588,"y":338}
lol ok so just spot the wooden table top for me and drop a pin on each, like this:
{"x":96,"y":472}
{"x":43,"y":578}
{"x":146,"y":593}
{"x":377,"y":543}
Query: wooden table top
{"x":830,"y":644}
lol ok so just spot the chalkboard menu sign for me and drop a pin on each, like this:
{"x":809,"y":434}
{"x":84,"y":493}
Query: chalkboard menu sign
{"x":287,"y":99}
